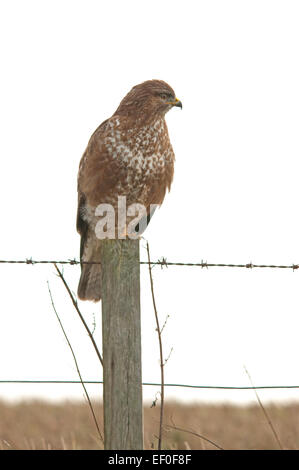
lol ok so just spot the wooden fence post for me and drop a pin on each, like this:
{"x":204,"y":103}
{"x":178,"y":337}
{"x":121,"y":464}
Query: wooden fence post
{"x":123,"y":410}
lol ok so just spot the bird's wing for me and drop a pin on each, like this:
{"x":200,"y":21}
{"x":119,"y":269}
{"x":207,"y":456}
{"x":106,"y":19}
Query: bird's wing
{"x":98,"y":172}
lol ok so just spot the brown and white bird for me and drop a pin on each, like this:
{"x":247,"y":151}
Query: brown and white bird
{"x":129,"y":155}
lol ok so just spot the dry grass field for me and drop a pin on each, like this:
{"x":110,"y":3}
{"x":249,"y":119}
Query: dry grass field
{"x":69,"y":425}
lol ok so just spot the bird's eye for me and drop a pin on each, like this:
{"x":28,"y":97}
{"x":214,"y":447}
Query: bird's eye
{"x":163,"y":96}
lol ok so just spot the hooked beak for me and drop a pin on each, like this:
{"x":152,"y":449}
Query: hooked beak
{"x":176,"y":103}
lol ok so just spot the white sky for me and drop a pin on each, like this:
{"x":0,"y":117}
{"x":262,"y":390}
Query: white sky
{"x":65,"y":66}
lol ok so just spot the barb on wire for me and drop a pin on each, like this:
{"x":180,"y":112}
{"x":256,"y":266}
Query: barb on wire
{"x":204,"y":264}
{"x":162,"y":262}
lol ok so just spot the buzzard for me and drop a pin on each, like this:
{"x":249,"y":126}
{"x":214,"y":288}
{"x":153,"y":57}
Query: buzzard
{"x":128,"y":157}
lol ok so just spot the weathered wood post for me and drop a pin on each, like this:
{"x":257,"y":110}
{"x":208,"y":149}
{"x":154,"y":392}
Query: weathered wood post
{"x":123,"y":411}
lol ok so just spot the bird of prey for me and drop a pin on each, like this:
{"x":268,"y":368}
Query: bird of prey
{"x":128,"y":158}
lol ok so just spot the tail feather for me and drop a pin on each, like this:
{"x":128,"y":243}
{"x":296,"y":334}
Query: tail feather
{"x":89,"y":287}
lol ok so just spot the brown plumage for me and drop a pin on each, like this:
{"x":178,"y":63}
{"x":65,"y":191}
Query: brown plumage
{"x":129,"y":155}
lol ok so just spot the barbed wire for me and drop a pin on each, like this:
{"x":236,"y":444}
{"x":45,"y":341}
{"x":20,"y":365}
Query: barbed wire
{"x":160,"y":262}
{"x":97,"y":382}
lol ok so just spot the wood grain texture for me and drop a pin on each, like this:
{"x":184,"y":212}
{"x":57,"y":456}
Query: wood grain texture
{"x":123,"y":411}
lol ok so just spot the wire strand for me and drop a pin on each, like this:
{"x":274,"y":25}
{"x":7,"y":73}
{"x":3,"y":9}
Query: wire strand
{"x":155,"y":384}
{"x":160,"y":262}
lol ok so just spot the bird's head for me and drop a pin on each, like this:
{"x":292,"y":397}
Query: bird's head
{"x":152,"y":98}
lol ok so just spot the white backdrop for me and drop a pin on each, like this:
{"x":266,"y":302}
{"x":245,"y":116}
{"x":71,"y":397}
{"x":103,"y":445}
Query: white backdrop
{"x":65,"y":66}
